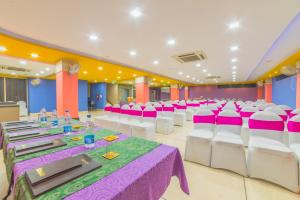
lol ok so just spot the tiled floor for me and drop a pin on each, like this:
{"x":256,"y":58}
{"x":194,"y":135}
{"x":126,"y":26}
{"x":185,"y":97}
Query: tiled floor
{"x":204,"y":183}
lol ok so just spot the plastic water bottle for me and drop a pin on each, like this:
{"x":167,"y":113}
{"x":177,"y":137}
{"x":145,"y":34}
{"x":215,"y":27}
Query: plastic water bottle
{"x":67,"y":117}
{"x":89,"y":122}
{"x":89,"y":138}
{"x":43,"y":115}
{"x":54,"y":119}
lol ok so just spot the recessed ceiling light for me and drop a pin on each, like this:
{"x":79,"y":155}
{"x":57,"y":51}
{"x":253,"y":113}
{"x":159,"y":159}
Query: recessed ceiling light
{"x":93,"y":37}
{"x":233,"y":72}
{"x":47,"y":69}
{"x":134,"y":75}
{"x":136,"y":13}
{"x":180,"y":73}
{"x":234,"y":48}
{"x":198,"y":81}
{"x":208,"y":74}
{"x":118,"y":77}
{"x":13,"y":73}
{"x":132,"y":53}
{"x":119,"y":72}
{"x":233,"y":67}
{"x":42,"y":72}
{"x":37,"y":74}
{"x":168,"y":82}
{"x":95,"y":81}
{"x":171,"y":42}
{"x":204,"y":70}
{"x":3,"y":48}
{"x":100,"y":68}
{"x":161,"y":81}
{"x":198,"y":65}
{"x":34,"y":55}
{"x":234,"y":60}
{"x":105,"y":79}
{"x":155,"y":62}
{"x":188,"y":76}
{"x":193,"y":78}
{"x":85,"y":72}
{"x":23,"y":62}
{"x":234,"y":25}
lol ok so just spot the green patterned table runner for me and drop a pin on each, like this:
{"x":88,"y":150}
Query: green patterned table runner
{"x":129,"y":150}
{"x":11,"y":159}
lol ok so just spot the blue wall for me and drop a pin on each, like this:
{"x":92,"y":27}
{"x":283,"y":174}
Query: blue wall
{"x":82,"y":95}
{"x":284,"y":90}
{"x":42,"y":96}
{"x":98,"y":89}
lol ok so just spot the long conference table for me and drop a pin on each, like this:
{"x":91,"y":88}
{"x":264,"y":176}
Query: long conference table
{"x":141,"y":170}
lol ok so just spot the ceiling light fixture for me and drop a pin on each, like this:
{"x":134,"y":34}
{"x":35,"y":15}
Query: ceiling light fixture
{"x":204,"y":70}
{"x":93,"y":37}
{"x":234,"y":60}
{"x":187,"y":76}
{"x":13,"y":73}
{"x":3,"y":48}
{"x":233,"y":72}
{"x":134,"y":75}
{"x":118,"y":77}
{"x":37,"y":74}
{"x":47,"y":69}
{"x":180,"y":73}
{"x":198,"y":65}
{"x":233,"y":67}
{"x":100,"y":68}
{"x":234,"y":48}
{"x":208,"y":74}
{"x":23,"y":62}
{"x":34,"y":55}
{"x":105,"y":79}
{"x":136,"y":12}
{"x":132,"y":53}
{"x":171,"y":42}
{"x":234,"y":25}
{"x":42,"y":72}
{"x":85,"y":72}
{"x":119,"y":72}
{"x":193,"y":78}
{"x":155,"y":62}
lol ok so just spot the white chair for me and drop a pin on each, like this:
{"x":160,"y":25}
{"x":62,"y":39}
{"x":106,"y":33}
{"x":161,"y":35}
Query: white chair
{"x":227,"y":146}
{"x":198,"y":143}
{"x":286,"y":108}
{"x":180,"y":114}
{"x":268,"y":157}
{"x":278,"y":111}
{"x":189,"y":109}
{"x":294,"y":112}
{"x":22,"y":108}
{"x":165,"y":119}
{"x":246,"y":113}
{"x":124,"y":120}
{"x":110,"y":118}
{"x":146,"y":128}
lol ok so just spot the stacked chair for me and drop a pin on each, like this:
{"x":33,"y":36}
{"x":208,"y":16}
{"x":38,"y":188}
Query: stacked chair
{"x":268,"y":157}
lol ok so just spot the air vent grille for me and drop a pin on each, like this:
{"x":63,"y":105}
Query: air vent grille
{"x":191,"y":57}
{"x":212,"y":77}
{"x":18,"y":69}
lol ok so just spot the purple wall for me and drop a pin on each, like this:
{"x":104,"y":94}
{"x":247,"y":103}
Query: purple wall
{"x":215,"y":92}
{"x":181,"y":93}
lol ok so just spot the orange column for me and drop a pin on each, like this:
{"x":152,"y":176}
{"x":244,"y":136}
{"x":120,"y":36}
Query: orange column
{"x":268,"y":91}
{"x":259,"y":92}
{"x":186,"y":93}
{"x":298,"y":86}
{"x":141,"y":90}
{"x":174,"y":92}
{"x":66,"y":90}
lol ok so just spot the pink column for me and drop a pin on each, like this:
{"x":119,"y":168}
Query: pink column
{"x":186,"y":93}
{"x":298,"y":86}
{"x":174,"y":92}
{"x":66,"y":90}
{"x":268,"y":91}
{"x":141,"y":90}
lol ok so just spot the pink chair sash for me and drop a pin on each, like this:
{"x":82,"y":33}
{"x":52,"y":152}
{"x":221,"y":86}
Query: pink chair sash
{"x":195,"y":104}
{"x":125,"y":111}
{"x":158,"y":108}
{"x":208,"y":119}
{"x":246,"y":114}
{"x":216,"y":112}
{"x":107,"y":108}
{"x":136,"y":112}
{"x":143,"y":107}
{"x":152,"y":114}
{"x":266,"y":125}
{"x":169,"y":109}
{"x":283,"y":117}
{"x":288,"y":111}
{"x":228,"y":120}
{"x":292,"y":114}
{"x":189,"y":104}
{"x":180,"y":107}
{"x":293,"y":126}
{"x":115,"y":110}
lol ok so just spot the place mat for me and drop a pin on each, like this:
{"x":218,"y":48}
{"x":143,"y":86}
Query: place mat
{"x":11,"y":159}
{"x":129,"y":150}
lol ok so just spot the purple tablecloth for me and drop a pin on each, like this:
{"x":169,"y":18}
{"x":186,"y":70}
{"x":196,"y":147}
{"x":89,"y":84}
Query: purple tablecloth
{"x":146,"y":178}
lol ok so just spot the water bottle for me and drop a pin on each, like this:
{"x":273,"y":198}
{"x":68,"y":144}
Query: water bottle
{"x":43,"y":116}
{"x":67,"y":117}
{"x":54,"y":119}
{"x":89,"y":122}
{"x":89,"y":138}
